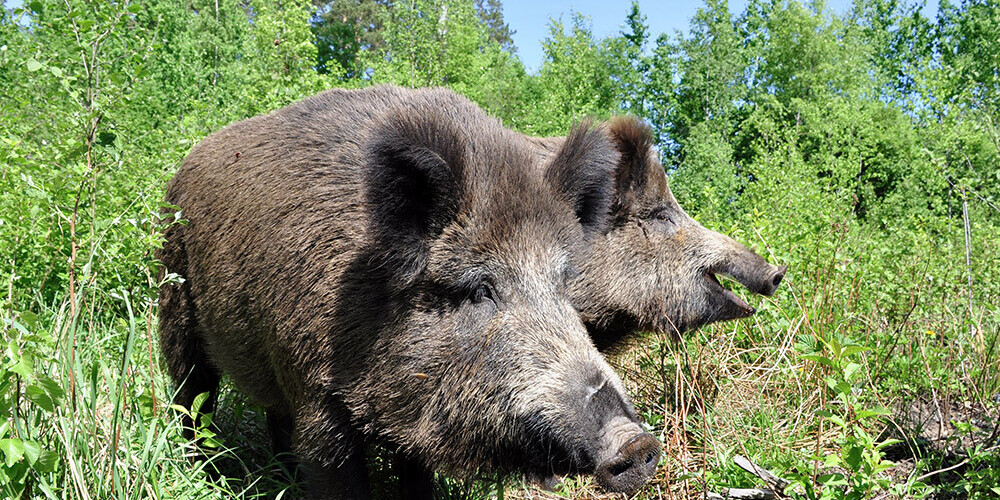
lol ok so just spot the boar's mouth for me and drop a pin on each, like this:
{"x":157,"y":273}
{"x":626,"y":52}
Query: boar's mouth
{"x":728,"y":304}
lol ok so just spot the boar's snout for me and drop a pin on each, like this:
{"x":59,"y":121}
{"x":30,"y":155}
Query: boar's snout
{"x":629,"y":455}
{"x":595,"y":430}
{"x":632,"y":465}
{"x":746,"y":267}
{"x":774,"y":280}
{"x":752,"y":271}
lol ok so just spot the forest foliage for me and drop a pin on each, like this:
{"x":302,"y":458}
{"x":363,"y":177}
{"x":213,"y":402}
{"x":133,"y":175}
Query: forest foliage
{"x":862,"y":149}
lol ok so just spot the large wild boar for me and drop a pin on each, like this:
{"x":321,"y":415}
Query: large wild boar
{"x":654,"y":268}
{"x":391,"y":266}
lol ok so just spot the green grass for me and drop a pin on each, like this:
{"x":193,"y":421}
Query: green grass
{"x":87,"y":401}
{"x":109,"y":428}
{"x":782,"y":389}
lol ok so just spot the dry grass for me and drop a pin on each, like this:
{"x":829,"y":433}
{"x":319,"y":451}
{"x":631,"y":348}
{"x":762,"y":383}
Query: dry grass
{"x":744,"y":388}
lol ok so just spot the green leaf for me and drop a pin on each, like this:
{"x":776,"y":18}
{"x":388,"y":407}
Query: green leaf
{"x":36,"y":6}
{"x":52,"y":387}
{"x":852,"y":458}
{"x":56,"y":71}
{"x":199,"y":400}
{"x":28,"y":318}
{"x":819,"y":359}
{"x":853,"y":349}
{"x":32,"y":450}
{"x":837,"y":419}
{"x":135,"y":8}
{"x":24,"y":366}
{"x":47,"y":461}
{"x":863,"y":414}
{"x":837,"y":385}
{"x":38,"y":396}
{"x":850,"y":370}
{"x":205,"y":420}
{"x":34,"y":65}
{"x":887,"y":442}
{"x":13,"y":450}
{"x":181,"y":409}
{"x":832,"y":479}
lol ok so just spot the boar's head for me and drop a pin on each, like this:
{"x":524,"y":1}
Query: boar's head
{"x":483,"y":365}
{"x":654,"y":268}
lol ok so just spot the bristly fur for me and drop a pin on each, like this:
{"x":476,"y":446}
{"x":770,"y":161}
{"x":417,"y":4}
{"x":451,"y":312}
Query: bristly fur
{"x":649,"y":270}
{"x":416,"y":180}
{"x":634,"y":141}
{"x":580,"y":170}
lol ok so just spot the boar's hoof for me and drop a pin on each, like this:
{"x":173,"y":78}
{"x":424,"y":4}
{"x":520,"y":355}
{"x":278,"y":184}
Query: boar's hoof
{"x":632,"y":466}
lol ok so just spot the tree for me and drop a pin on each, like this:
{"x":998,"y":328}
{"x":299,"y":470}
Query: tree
{"x":961,"y":88}
{"x":699,"y":88}
{"x":574,"y":80}
{"x":632,"y":66}
{"x":281,"y":60}
{"x":344,"y":29}
{"x":490,"y":13}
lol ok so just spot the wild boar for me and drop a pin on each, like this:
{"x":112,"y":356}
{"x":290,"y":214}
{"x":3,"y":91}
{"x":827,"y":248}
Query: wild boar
{"x":654,"y":268}
{"x":392,"y":266}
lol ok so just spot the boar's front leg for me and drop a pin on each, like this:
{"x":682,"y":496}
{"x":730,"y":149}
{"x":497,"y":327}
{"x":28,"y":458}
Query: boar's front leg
{"x":331,"y":452}
{"x":346,"y":479}
{"x":416,"y":482}
{"x":280,"y":427}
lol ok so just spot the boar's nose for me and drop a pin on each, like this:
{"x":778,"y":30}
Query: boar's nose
{"x":755,"y":273}
{"x":774,"y":280}
{"x":632,"y":466}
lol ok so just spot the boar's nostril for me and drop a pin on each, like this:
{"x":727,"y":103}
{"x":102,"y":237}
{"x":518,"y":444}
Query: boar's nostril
{"x":778,"y":276}
{"x":770,"y":284}
{"x":620,"y":467}
{"x":632,"y":466}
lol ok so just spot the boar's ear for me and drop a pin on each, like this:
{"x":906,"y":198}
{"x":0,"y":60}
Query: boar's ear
{"x":414,"y":180}
{"x":634,"y":141}
{"x":581,"y":172}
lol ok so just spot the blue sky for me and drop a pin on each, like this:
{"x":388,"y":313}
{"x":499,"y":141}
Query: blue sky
{"x":530,"y":18}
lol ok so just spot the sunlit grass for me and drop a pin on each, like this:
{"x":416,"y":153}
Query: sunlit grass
{"x":737,"y":388}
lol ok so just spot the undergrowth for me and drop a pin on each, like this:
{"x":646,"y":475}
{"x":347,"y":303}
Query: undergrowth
{"x":860,"y":150}
{"x":820,"y":387}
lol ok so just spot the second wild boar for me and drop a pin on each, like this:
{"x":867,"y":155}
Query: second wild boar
{"x":653,"y":267}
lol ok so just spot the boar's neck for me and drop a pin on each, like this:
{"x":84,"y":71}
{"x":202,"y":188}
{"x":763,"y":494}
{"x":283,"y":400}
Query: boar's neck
{"x":609,"y":332}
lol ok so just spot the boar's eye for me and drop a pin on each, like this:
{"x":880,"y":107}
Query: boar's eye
{"x":483,"y":293}
{"x":660,"y":213}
